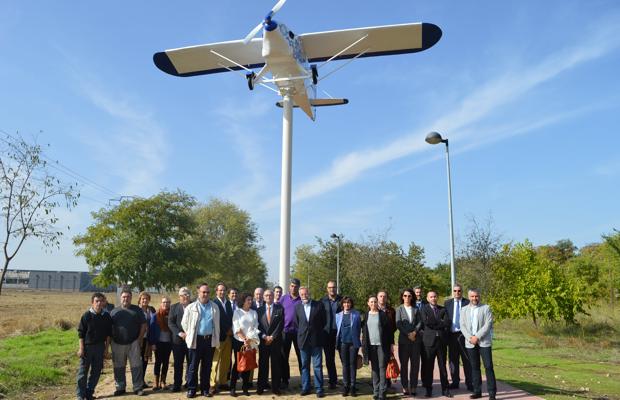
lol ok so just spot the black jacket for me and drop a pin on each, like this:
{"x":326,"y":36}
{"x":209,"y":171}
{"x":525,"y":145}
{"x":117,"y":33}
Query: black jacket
{"x":435,"y":327}
{"x":174,"y":322}
{"x":310,"y":332}
{"x":449,"y":306}
{"x":330,"y":318}
{"x":277,"y":322}
{"x":95,"y":328}
{"x":226,"y":315}
{"x":387,"y":336}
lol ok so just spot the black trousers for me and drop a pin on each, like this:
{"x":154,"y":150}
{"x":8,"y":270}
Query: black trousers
{"x":409,"y":353}
{"x":180,"y":355}
{"x":348,"y":358}
{"x":201,"y":356}
{"x":456,"y":351}
{"x":423,"y":366}
{"x":271,"y":354}
{"x":234,"y":374}
{"x":487,"y":358}
{"x":437,"y":350}
{"x":162,"y":359}
{"x":290,"y":338}
{"x":330,"y":357}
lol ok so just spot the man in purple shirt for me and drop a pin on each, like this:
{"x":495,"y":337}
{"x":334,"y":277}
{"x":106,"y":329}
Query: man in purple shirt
{"x":289,"y":301}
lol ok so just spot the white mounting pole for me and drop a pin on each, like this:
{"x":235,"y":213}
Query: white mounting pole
{"x":285,"y":189}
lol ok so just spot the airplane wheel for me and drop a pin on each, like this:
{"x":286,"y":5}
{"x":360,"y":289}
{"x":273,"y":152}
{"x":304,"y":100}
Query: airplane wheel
{"x":315,"y":74}
{"x":250,"y":78}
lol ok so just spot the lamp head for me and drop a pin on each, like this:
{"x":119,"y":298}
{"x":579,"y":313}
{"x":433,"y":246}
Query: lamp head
{"x":434,"y":138}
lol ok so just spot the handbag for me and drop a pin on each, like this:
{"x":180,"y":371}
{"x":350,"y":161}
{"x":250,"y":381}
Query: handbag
{"x":246,"y":360}
{"x":359,"y":361}
{"x":392,"y":370}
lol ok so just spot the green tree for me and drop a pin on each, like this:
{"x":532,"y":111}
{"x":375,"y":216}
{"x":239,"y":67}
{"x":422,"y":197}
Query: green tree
{"x":531,"y":285}
{"x":612,"y":246}
{"x":29,"y":197}
{"x":143,"y":242}
{"x":231,"y":251}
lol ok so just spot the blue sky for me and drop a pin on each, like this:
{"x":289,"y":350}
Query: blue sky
{"x":527,"y":92}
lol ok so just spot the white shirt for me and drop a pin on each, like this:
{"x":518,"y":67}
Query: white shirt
{"x":246,"y":322}
{"x":474,"y":320}
{"x":307,"y":309}
{"x":409,"y":311}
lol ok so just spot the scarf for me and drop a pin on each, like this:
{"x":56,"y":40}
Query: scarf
{"x":162,"y":319}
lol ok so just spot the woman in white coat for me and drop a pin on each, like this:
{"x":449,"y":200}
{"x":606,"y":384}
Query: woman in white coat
{"x":246,"y":334}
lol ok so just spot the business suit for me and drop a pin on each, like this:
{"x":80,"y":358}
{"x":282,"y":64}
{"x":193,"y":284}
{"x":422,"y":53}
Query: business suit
{"x":423,"y":367}
{"x":377,"y":354}
{"x":409,"y":350}
{"x":220,"y":367}
{"x":310,"y":342}
{"x":478,"y":321}
{"x":456,"y":343}
{"x":332,"y":307}
{"x":180,"y":354}
{"x":271,"y":324}
{"x":435,"y":339}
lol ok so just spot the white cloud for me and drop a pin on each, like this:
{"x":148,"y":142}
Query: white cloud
{"x":473,"y":108}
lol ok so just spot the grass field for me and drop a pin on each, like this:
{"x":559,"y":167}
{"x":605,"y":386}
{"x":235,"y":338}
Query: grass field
{"x":38,"y":343}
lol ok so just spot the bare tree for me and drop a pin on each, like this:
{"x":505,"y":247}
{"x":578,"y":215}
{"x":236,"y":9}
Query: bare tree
{"x":29,"y":196}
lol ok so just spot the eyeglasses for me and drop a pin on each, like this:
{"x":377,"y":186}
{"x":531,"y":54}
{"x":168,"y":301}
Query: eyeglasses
{"x":406,"y":295}
{"x":457,"y":290}
{"x":331,"y":287}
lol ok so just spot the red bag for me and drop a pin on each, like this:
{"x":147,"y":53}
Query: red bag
{"x":392,"y":370}
{"x":246,"y":360}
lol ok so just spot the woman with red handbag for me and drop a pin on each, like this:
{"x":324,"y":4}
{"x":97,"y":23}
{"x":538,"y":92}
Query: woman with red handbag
{"x":245,"y":328}
{"x":376,"y":340}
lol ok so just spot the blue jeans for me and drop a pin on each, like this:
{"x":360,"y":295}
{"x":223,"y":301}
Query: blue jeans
{"x":93,"y":361}
{"x":316,"y":353}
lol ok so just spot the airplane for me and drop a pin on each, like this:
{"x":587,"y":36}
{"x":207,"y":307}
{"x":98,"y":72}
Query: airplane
{"x":291,"y":58}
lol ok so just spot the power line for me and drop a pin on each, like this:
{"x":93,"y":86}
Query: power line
{"x":70,"y":172}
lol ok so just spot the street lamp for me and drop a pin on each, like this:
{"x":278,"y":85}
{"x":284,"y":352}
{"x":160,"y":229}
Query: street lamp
{"x":338,"y":238}
{"x":435,"y":138}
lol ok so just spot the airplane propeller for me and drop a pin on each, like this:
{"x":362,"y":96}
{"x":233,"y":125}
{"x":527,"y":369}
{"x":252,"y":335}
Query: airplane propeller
{"x":266,"y":22}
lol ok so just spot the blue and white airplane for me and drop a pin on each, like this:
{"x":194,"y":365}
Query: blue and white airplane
{"x":290,"y":58}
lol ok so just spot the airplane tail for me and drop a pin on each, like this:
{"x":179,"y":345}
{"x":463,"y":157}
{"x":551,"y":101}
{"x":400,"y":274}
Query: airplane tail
{"x":321,"y":102}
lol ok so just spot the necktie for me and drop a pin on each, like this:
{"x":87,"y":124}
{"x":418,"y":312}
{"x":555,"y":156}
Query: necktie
{"x":269,"y":315}
{"x":435,"y":311}
{"x":457,"y":315}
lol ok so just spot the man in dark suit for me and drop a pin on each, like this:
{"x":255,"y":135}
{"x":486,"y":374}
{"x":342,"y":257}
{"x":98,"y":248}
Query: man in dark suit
{"x":435,"y":338}
{"x":332,"y":305}
{"x":270,"y":325}
{"x":420,"y":302}
{"x":179,"y":347}
{"x":310,"y":318}
{"x":257,"y":301}
{"x":456,"y":340}
{"x":220,"y":367}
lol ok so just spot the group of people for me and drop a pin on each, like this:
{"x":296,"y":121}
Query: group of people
{"x":208,"y":336}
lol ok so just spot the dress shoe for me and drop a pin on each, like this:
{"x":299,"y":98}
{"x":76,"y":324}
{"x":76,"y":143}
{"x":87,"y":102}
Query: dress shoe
{"x":233,"y":392}
{"x":246,"y":392}
{"x":332,"y":386}
{"x":212,"y":390}
{"x":429,"y":393}
{"x":277,"y":392}
{"x":345,"y":391}
{"x":190,"y":395}
{"x":320,"y":395}
{"x":206,"y":393}
{"x":305,"y":393}
{"x":260,"y":391}
{"x":119,"y":392}
{"x":453,"y":386}
{"x":492,"y":397}
{"x":176,"y":389}
{"x":413,"y":393}
{"x":353,"y":392}
{"x":446,"y":393}
{"x":470,"y":388}
{"x":475,"y":396}
{"x":139,"y":393}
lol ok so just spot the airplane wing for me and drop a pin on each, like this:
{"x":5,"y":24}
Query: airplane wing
{"x":381,"y":41}
{"x":201,"y":60}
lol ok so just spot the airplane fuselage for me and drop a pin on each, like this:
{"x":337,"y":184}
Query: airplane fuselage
{"x":285,"y":58}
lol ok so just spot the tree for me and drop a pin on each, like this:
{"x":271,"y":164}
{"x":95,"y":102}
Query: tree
{"x":231,"y":251}
{"x":144,"y":243}
{"x":612,"y":242}
{"x":29,"y":197}
{"x":530,"y":285}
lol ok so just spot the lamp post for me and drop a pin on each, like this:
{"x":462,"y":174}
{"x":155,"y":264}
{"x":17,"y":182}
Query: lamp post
{"x":435,"y":138}
{"x":338,"y":238}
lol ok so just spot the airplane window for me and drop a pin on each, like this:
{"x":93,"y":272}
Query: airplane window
{"x":291,"y":35}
